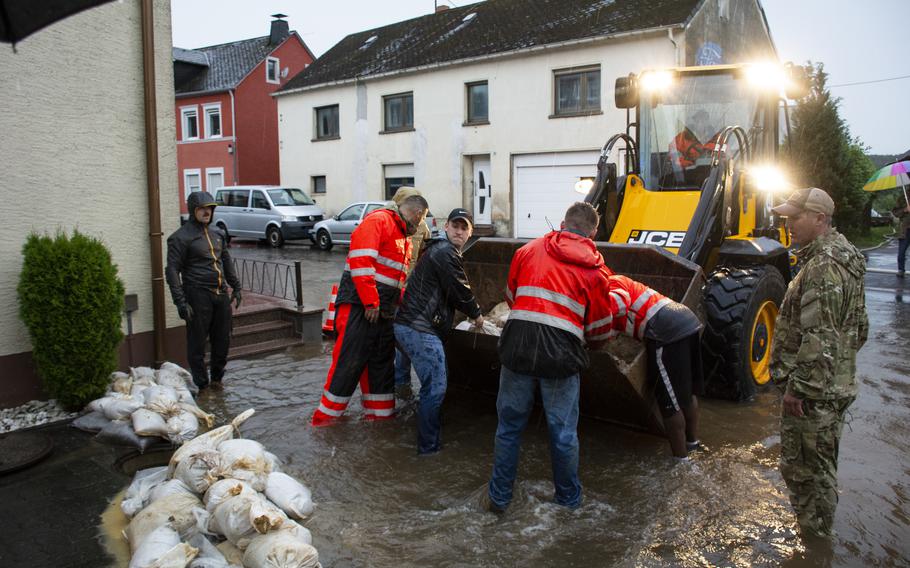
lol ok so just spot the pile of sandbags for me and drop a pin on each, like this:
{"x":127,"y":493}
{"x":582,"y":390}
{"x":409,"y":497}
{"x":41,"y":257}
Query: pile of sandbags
{"x":493,"y":322}
{"x":145,"y":405}
{"x":221,"y":502}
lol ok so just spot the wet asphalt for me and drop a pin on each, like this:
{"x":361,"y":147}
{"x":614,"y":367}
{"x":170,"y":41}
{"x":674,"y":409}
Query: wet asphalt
{"x":378,"y":504}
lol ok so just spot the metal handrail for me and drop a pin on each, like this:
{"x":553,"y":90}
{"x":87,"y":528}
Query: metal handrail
{"x":273,"y":279}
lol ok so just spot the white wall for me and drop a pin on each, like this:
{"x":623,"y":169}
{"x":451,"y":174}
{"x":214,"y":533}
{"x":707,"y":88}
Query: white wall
{"x":72,"y":147}
{"x":520,"y":103}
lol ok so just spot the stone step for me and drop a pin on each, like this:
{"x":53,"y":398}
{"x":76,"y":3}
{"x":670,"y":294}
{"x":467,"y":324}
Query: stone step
{"x":261,"y":332}
{"x":256,"y":315}
{"x":253,"y":349}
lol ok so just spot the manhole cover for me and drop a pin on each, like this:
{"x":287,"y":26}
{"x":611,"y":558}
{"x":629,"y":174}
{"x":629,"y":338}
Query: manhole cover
{"x":18,"y":450}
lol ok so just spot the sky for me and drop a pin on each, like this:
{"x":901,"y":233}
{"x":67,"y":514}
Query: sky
{"x":858,"y":42}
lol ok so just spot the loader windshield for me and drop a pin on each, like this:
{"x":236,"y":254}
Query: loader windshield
{"x":680,"y":123}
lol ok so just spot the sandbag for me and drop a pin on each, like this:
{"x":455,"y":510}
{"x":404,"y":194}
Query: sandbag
{"x":92,"y":422}
{"x":231,"y":553}
{"x":245,"y":460}
{"x":176,"y":510}
{"x":149,"y":423}
{"x":290,"y":495}
{"x":142,"y":373}
{"x":240,"y":518}
{"x":137,"y":494}
{"x":224,"y":489}
{"x":169,"y":487}
{"x":279,"y":549}
{"x":166,"y":378}
{"x":120,"y":408}
{"x":162,"y":549}
{"x":121,"y":384}
{"x":199,"y":470}
{"x":98,"y":404}
{"x":208,"y":419}
{"x":209,"y":440}
{"x":162,"y":400}
{"x":182,"y":427}
{"x":120,"y":433}
{"x":209,"y":556}
{"x":299,"y":531}
{"x":273,"y":460}
{"x":182,"y":373}
{"x":184,"y":396}
{"x":138,"y":389}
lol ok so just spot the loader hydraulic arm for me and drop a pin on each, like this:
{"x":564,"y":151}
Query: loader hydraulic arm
{"x":604,"y":195}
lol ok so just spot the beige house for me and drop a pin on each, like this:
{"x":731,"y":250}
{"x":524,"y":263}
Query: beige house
{"x":73,"y":155}
{"x":499,"y":107}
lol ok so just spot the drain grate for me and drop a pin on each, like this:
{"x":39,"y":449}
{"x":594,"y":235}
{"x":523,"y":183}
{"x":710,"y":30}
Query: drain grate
{"x":19,"y":450}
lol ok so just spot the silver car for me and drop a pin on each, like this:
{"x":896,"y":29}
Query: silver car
{"x":271,"y":213}
{"x":337,"y":230}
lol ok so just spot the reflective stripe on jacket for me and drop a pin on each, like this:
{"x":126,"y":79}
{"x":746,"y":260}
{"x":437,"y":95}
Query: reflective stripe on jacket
{"x":377,"y":262}
{"x":633,"y":305}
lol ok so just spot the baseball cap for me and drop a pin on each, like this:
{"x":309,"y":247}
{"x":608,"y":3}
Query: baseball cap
{"x":461,"y":213}
{"x":806,"y":199}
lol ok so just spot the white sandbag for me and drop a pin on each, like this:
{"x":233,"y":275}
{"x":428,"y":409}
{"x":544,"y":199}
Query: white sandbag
{"x":149,"y":423}
{"x":273,"y":460}
{"x":209,"y":440}
{"x":120,"y":408}
{"x":242,"y":517}
{"x":117,"y":375}
{"x":199,"y":470}
{"x":137,"y":389}
{"x":209,"y":556}
{"x":184,"y":396}
{"x":290,"y":495}
{"x":92,"y":422}
{"x":187,"y":377}
{"x":488,"y":328}
{"x":231,"y":553}
{"x":166,"y":378}
{"x":499,"y":314}
{"x":245,"y":460}
{"x":137,"y":494}
{"x":279,"y":549}
{"x":162,"y":400}
{"x":143,"y":373}
{"x":121,"y":383}
{"x":163,"y":549}
{"x":176,"y":510}
{"x":182,"y":427}
{"x":224,"y":489}
{"x":299,"y":531}
{"x":208,"y":419}
{"x":98,"y":404}
{"x":120,"y":433}
{"x":169,"y":487}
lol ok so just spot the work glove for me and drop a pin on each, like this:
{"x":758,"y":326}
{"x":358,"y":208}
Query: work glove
{"x":236,"y":298}
{"x":185,"y":311}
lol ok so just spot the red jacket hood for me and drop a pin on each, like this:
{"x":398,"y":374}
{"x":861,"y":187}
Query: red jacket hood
{"x":573,"y":249}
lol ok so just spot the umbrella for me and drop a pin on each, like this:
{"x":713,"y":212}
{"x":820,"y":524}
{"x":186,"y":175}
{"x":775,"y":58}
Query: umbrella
{"x":21,"y":18}
{"x":890,"y":177}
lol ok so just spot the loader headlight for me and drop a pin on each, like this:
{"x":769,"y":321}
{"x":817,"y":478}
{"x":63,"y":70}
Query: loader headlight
{"x":769,"y":178}
{"x":656,"y":80}
{"x":767,"y":76}
{"x":584,"y":185}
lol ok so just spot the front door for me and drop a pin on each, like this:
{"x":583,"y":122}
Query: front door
{"x":483,"y":192}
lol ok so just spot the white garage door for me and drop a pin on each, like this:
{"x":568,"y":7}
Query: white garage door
{"x":545,"y":188}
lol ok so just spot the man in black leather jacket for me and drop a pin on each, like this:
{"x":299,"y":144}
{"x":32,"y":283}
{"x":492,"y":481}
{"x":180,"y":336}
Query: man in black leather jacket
{"x":436,"y":288}
{"x":199,"y":270}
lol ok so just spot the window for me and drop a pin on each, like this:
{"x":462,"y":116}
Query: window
{"x":271,"y":69}
{"x":352,"y":213}
{"x":327,"y":122}
{"x":192,"y":181}
{"x":372,"y":207}
{"x":289,"y":196}
{"x":190,"y":123}
{"x":235,"y":197}
{"x":214,"y":178}
{"x":398,"y":112}
{"x":577,"y":91}
{"x":259,"y":201}
{"x":212,"y":120}
{"x":477,"y":103}
{"x":397,"y":175}
{"x":318,"y":184}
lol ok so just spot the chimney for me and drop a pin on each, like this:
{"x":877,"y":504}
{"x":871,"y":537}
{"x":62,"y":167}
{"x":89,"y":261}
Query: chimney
{"x":441,"y":8}
{"x":280,"y":29}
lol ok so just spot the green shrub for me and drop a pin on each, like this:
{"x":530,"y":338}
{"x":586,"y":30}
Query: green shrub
{"x":71,"y":300}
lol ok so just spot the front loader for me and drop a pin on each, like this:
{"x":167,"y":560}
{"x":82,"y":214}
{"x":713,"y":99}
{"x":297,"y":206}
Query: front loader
{"x":685,"y":204}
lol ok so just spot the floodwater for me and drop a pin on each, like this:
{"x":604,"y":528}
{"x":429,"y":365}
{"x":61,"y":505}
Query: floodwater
{"x":379,"y":504}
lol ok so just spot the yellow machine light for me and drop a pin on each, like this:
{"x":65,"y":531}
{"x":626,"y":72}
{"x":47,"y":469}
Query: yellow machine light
{"x":584,"y":185}
{"x":769,"y":178}
{"x":767,"y":76}
{"x":656,"y":80}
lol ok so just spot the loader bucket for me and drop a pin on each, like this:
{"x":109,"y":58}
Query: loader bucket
{"x":614,"y":387}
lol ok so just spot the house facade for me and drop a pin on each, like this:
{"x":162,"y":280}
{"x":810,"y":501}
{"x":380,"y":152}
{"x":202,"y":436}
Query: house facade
{"x":226,"y":118}
{"x":499,"y":107}
{"x":89,"y":168}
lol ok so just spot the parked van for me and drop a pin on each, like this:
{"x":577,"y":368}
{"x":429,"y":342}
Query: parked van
{"x":268,"y":212}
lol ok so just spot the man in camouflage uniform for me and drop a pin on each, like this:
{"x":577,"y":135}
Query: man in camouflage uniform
{"x":821,"y":325}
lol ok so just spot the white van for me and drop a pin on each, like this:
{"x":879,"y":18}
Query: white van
{"x":268,"y":212}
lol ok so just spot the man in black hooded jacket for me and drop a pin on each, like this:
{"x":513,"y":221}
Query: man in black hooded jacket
{"x":199,"y":270}
{"x":437,"y":287}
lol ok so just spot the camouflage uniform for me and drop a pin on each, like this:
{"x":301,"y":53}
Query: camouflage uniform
{"x":821,"y":326}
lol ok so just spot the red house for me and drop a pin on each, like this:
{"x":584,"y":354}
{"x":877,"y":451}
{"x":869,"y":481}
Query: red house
{"x":227,"y":122}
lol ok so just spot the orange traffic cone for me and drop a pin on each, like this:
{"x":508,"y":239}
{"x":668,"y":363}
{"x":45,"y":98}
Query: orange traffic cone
{"x":329,"y":325}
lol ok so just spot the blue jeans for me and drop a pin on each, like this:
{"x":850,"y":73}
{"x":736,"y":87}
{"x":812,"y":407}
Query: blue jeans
{"x":514,"y":405}
{"x":402,"y":368}
{"x":902,"y":244}
{"x":429,"y":360}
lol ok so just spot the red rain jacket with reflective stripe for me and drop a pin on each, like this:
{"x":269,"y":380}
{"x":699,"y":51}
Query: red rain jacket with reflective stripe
{"x":559,"y":280}
{"x":376,"y":267}
{"x":633,"y":305}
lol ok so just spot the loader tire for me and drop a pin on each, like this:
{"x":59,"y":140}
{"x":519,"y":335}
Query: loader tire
{"x":741,"y":306}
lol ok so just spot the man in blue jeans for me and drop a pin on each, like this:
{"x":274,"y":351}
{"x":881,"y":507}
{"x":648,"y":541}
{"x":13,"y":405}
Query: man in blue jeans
{"x":558,"y":290}
{"x":436,"y":288}
{"x":902,"y":212}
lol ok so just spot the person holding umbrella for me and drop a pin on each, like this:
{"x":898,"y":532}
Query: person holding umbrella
{"x":902,"y":212}
{"x":893,"y":176}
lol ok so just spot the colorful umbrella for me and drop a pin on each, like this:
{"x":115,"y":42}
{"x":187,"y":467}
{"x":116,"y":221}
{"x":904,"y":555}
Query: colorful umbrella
{"x":890,"y":177}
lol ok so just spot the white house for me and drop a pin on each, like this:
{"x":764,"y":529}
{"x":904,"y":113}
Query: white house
{"x":499,"y":107}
